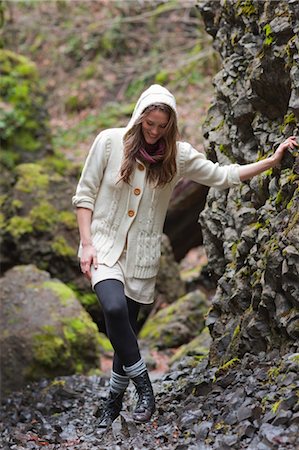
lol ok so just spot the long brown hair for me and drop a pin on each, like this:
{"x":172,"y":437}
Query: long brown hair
{"x":162,"y":172}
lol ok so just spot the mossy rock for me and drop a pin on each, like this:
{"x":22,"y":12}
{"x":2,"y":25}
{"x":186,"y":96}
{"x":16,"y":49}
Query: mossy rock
{"x":198,"y":348}
{"x":23,"y":117}
{"x":45,"y":332}
{"x":38,"y":223}
{"x":178,"y":323}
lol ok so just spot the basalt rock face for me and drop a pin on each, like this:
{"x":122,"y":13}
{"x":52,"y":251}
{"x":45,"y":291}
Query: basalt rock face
{"x":251,"y":231}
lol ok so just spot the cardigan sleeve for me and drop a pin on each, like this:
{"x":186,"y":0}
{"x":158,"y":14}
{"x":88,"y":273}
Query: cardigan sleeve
{"x":92,"y":173}
{"x":197,"y":167}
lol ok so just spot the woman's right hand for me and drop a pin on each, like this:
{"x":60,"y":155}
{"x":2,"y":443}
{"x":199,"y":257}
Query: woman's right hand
{"x":88,"y":257}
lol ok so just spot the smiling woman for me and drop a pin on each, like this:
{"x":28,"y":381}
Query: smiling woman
{"x":121,"y":224}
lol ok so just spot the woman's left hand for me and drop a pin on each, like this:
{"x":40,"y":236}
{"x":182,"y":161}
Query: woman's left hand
{"x":290,"y":142}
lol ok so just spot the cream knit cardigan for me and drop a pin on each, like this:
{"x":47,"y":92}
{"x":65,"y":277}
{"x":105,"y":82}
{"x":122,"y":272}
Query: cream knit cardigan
{"x":136,"y":212}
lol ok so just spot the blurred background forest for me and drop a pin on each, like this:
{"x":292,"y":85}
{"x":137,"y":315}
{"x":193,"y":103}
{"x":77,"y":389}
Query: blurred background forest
{"x":95,"y":57}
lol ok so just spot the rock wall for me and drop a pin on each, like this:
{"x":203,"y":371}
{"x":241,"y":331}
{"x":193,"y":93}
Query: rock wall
{"x":251,"y":232}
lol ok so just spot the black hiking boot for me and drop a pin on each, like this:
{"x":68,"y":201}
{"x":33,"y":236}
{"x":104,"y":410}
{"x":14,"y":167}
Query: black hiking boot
{"x":145,"y":407}
{"x":111,"y":409}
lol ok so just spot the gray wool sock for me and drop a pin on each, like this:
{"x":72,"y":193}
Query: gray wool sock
{"x":118,"y":383}
{"x":136,"y":369}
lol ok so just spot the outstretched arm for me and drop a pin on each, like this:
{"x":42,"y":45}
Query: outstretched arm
{"x":248,"y":171}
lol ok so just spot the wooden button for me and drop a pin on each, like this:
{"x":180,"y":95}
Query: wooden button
{"x":137,"y":191}
{"x":131,"y":213}
{"x":140,"y":166}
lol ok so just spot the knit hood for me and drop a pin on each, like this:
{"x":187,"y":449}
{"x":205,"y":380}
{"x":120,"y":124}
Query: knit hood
{"x":154,"y":94}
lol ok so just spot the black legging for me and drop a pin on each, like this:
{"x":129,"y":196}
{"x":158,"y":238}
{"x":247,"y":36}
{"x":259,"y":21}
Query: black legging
{"x":120,"y":313}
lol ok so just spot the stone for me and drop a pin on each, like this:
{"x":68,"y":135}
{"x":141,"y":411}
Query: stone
{"x":45,"y":331}
{"x":256,"y":104}
{"x":282,"y":418}
{"x":178,"y":323}
{"x":202,"y":430}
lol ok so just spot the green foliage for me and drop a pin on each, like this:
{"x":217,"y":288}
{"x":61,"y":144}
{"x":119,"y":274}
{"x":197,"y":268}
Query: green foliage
{"x":18,"y":226}
{"x":43,"y":216}
{"x":62,"y":248}
{"x":21,"y":96}
{"x":31,"y":178}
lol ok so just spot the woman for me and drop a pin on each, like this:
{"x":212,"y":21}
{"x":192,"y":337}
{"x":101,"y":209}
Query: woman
{"x":121,"y":202}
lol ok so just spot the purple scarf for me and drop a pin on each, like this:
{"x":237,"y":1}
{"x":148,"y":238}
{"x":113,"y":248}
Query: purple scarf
{"x":152,"y":153}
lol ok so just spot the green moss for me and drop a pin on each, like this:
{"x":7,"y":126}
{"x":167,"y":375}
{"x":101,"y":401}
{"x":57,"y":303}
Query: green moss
{"x":246,"y":8}
{"x":23,"y":127}
{"x":49,"y":352}
{"x":236,"y":331}
{"x":221,"y":426}
{"x":62,"y":248}
{"x":257,"y":225}
{"x":268,"y":33}
{"x":293,"y":221}
{"x":3,"y":199}
{"x":273,"y":373}
{"x":18,"y":226}
{"x":16,"y":203}
{"x":290,"y":204}
{"x":268,"y":173}
{"x":73,"y":351}
{"x":218,"y":127}
{"x":223,"y":149}
{"x":81,"y":334}
{"x":279,"y":198}
{"x":234,"y":249}
{"x":73,"y":328}
{"x":2,"y":221}
{"x":296,"y":359}
{"x":289,"y":118}
{"x":31,"y":178}
{"x":276,"y":406}
{"x":64,"y":293}
{"x":88,"y":300}
{"x":232,"y":363}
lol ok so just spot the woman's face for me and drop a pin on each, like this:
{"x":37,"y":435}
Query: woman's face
{"x":153,"y":126}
